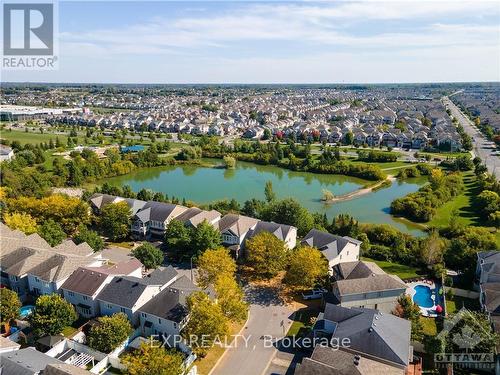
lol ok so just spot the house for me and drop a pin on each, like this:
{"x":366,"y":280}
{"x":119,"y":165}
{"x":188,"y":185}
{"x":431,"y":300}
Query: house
{"x":153,"y":218}
{"x":166,"y":313}
{"x":6,"y":153}
{"x":127,"y":294}
{"x":98,"y":201}
{"x":488,"y":278}
{"x":234,"y":230}
{"x":325,"y":360}
{"x":7,"y":345}
{"x":83,"y":286}
{"x":194,"y":216}
{"x":370,"y":333}
{"x":335,"y":249}
{"x":283,"y":232}
{"x":365,"y":284}
{"x":29,"y":361}
{"x":30,"y":264}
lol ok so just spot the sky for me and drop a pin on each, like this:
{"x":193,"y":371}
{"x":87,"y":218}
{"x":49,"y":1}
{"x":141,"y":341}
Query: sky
{"x":274,"y":42}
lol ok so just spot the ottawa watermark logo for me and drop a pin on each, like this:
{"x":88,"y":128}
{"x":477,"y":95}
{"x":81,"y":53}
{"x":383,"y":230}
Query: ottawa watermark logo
{"x":465,"y":336}
{"x":29,"y":35}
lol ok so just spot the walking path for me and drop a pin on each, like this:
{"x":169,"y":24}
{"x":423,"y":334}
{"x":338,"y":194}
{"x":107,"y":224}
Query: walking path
{"x":360,"y":192}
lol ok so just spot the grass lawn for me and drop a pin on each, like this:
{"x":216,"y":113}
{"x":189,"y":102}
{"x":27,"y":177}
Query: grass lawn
{"x":392,"y":165}
{"x":429,"y":325}
{"x":456,"y":303}
{"x":401,"y":270}
{"x":69,"y":331}
{"x":301,"y":321}
{"x":31,"y":137}
{"x":206,"y":364}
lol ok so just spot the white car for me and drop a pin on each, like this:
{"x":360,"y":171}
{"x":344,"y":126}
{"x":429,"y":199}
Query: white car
{"x":313,"y":294}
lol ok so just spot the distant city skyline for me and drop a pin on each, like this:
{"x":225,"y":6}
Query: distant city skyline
{"x":275,"y":42}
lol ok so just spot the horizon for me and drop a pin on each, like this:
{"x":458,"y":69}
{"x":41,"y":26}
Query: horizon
{"x":270,"y":42}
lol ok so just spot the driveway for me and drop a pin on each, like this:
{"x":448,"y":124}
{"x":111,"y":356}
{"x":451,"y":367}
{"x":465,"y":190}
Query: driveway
{"x":268,"y":316}
{"x":482,"y":146}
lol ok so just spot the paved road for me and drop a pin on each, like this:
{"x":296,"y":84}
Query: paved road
{"x":268,"y":316}
{"x":482,"y":146}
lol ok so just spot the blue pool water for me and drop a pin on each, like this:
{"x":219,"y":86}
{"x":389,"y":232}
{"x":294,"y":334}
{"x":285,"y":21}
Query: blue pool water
{"x":26,"y":310}
{"x":422,"y":296}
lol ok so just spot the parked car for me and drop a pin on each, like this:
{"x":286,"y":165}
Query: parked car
{"x":313,"y":294}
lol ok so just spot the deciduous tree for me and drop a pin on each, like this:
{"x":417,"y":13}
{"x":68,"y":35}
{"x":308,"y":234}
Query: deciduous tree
{"x":51,"y":232}
{"x":230,"y":298}
{"x":91,"y":237}
{"x":307,"y":267}
{"x":21,"y":221}
{"x":152,"y":359}
{"x":214,"y":263}
{"x":51,"y":314}
{"x":266,"y":254}
{"x":9,"y":306}
{"x":115,"y":220}
{"x":205,"y":237}
{"x":149,"y":255}
{"x":109,"y":332}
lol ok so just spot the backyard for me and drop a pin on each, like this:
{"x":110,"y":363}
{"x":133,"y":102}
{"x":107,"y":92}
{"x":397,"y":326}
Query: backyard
{"x":403,"y":271}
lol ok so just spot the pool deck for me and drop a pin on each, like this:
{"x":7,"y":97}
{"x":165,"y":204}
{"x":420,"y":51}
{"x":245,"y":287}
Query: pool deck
{"x":425,"y":311}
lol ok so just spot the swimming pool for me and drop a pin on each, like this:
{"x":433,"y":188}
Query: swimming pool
{"x":422,"y":296}
{"x":24,"y":311}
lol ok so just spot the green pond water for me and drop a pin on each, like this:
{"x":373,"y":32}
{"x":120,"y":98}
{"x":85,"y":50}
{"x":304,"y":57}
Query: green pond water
{"x":247,"y":180}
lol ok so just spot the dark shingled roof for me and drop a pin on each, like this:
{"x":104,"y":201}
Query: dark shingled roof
{"x":279,"y":230}
{"x":170,"y":303}
{"x":329,"y":245}
{"x":159,"y":211}
{"x":378,"y":334}
{"x":85,"y":281}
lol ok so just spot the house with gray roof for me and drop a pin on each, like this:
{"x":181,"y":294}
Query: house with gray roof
{"x":127,"y":294}
{"x":28,"y":264}
{"x":365,"y":284}
{"x":372,"y":334}
{"x":234,"y":230}
{"x":325,"y":360}
{"x":99,"y":200}
{"x":152,"y":219}
{"x":194,"y":216}
{"x":166,"y":313}
{"x":83,"y":286}
{"x":488,"y":279}
{"x":335,"y":249}
{"x":26,"y":361}
{"x":283,"y":232}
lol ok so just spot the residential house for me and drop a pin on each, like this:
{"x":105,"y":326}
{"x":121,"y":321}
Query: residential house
{"x":194,"y":216}
{"x":370,"y":333}
{"x":98,"y":201}
{"x":488,"y":278}
{"x":6,"y":153}
{"x":234,"y":230}
{"x":166,"y":313}
{"x":283,"y":232}
{"x":83,"y":286}
{"x":152,"y":219}
{"x":365,"y":284}
{"x":127,"y":294}
{"x":335,"y":249}
{"x":325,"y":360}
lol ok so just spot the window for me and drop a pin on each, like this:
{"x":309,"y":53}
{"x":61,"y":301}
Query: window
{"x":71,"y":294}
{"x":175,"y":325}
{"x":143,"y":315}
{"x":85,"y":298}
{"x":347,"y":252}
{"x":109,"y":306}
{"x":159,"y":321}
{"x":122,"y":309}
{"x":37,"y":279}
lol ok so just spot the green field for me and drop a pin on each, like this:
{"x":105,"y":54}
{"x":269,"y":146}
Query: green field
{"x":401,"y":270}
{"x":31,"y":137}
{"x":456,"y":303}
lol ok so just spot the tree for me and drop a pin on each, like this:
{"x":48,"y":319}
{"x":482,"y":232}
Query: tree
{"x":9,"y":308}
{"x":205,"y":237}
{"x":269,"y":192}
{"x":327,"y":195}
{"x":432,"y":249}
{"x":177,"y":237}
{"x":152,"y":359}
{"x":149,"y":255}
{"x":307,"y":266}
{"x":51,"y":232}
{"x":206,"y":321}
{"x":51,"y":314}
{"x":266,"y":254}
{"x":109,"y":332}
{"x":289,"y":211}
{"x":229,"y":162}
{"x":488,"y":202}
{"x":409,"y":310}
{"x":213,"y":263}
{"x":91,"y":237}
{"x":115,"y":220}
{"x":23,"y":222}
{"x":230,"y":298}
{"x":349,"y":138}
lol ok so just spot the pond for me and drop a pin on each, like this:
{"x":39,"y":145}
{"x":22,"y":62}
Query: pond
{"x":247,"y":180}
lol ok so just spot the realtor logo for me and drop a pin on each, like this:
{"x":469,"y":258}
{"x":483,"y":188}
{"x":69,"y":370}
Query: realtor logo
{"x":29,"y":31}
